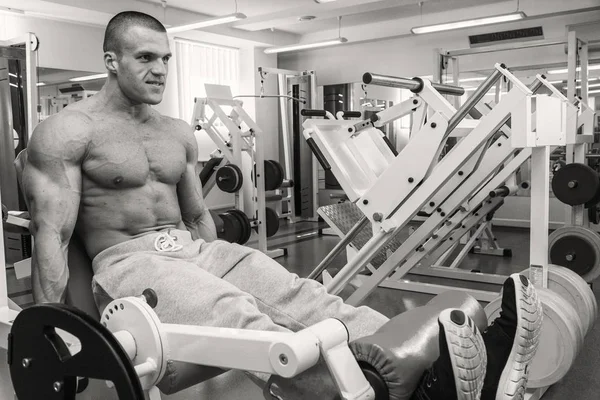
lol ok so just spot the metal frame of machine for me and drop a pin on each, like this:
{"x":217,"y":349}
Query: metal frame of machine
{"x":244,"y":136}
{"x":8,"y":309}
{"x":460,"y":183}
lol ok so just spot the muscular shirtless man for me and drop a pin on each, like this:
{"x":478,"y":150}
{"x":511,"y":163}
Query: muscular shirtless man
{"x":125,"y":179}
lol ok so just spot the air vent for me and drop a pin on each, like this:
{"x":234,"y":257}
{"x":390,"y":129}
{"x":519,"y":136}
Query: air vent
{"x":517,"y":35}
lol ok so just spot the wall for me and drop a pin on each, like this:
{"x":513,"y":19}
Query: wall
{"x":414,"y":55}
{"x":62,"y":45}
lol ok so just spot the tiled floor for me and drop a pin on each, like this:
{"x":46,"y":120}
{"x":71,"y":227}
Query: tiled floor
{"x":306,"y":248}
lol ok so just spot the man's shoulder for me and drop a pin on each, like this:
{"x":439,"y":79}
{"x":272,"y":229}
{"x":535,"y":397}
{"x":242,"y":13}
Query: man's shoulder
{"x":64,"y":133}
{"x":66,"y":122}
{"x":178,"y":127}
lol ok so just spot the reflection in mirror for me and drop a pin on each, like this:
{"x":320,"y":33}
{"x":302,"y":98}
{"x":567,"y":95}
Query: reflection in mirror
{"x":57,"y":88}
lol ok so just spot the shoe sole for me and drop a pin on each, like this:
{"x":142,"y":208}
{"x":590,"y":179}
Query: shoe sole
{"x":467,"y":353}
{"x":513,"y":381}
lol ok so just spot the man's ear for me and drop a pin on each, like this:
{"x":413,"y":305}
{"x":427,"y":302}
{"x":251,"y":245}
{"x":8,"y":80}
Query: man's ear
{"x":110,"y":61}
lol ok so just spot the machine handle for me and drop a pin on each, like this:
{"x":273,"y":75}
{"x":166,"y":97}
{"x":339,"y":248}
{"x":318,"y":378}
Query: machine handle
{"x":352,"y":114}
{"x":317,"y":152}
{"x":390,"y":145}
{"x":313,"y":113}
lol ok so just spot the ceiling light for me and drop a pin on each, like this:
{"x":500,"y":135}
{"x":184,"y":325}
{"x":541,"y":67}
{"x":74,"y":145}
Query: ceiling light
{"x":594,"y":92}
{"x":41,"y":84}
{"x":469,"y":23}
{"x":324,"y":1}
{"x":303,"y":46}
{"x":8,"y":10}
{"x":88,"y":77}
{"x":306,"y":18}
{"x":566,"y":70}
{"x":207,"y":22}
{"x":589,"y":86}
{"x":476,"y":79}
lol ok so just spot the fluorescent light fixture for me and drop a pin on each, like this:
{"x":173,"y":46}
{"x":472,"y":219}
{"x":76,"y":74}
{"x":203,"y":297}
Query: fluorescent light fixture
{"x":88,"y":77}
{"x":594,"y":92}
{"x":8,"y":10}
{"x":324,"y":1}
{"x":476,"y":79}
{"x":207,"y":22}
{"x":469,"y":23}
{"x":303,"y":46}
{"x":566,"y":70}
{"x":41,"y":84}
{"x":589,"y":86}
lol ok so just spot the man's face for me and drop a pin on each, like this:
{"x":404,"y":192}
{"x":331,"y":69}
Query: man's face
{"x":142,"y":72}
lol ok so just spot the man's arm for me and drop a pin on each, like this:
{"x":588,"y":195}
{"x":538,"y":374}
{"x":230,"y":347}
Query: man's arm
{"x":194,"y":212}
{"x":52,"y":185}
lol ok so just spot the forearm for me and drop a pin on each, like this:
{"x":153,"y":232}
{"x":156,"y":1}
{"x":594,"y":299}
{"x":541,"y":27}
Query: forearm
{"x":202,"y":227}
{"x":49,"y":270}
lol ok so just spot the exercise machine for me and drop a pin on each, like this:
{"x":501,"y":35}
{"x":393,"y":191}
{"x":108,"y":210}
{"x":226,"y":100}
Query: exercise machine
{"x":456,"y":191}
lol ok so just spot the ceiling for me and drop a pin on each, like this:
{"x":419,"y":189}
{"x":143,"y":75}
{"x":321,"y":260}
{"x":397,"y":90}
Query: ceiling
{"x":271,"y":22}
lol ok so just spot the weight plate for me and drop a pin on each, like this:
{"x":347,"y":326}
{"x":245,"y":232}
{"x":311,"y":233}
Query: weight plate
{"x":558,"y":341}
{"x":280,"y":173}
{"x":232,"y":228}
{"x":575,"y":184}
{"x":576,"y":248}
{"x":273,"y":175}
{"x":229,"y":178}
{"x":584,"y":289}
{"x":563,"y":282}
{"x":245,"y":223}
{"x":272,"y":221}
{"x":41,"y":366}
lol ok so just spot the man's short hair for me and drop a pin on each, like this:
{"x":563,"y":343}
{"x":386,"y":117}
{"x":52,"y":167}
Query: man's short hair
{"x":120,"y":23}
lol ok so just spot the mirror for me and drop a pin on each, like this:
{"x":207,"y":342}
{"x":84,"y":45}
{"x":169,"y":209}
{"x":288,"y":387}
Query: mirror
{"x":56,"y":88}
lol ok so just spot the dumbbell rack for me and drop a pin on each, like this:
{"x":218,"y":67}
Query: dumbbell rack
{"x":244,"y":137}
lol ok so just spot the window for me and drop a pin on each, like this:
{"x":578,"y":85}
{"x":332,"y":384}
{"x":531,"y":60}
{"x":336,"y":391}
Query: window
{"x":199,"y":63}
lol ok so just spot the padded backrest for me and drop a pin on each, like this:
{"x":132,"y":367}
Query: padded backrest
{"x":79,"y":287}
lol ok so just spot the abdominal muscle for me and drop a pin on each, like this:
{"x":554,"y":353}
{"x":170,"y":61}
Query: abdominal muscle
{"x":108,"y":217}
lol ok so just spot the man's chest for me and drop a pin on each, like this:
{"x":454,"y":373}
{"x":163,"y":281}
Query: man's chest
{"x":121,"y":157}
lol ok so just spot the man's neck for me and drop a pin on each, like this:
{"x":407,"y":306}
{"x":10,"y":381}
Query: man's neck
{"x":114,"y":100}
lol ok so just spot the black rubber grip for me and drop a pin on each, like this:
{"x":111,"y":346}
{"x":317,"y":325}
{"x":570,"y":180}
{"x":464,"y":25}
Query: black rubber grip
{"x":352,"y":114}
{"x":313,"y":113}
{"x":390,"y":145}
{"x":320,"y":157}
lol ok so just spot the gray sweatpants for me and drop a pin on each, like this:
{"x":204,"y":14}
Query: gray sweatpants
{"x":220,"y":284}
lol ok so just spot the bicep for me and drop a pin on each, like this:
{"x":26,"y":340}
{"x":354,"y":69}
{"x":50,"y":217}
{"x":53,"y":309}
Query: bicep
{"x":52,"y":182}
{"x":53,"y":199}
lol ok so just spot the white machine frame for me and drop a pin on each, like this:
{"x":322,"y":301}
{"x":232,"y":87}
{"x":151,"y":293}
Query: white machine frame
{"x":482,"y":178}
{"x":245,"y":137}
